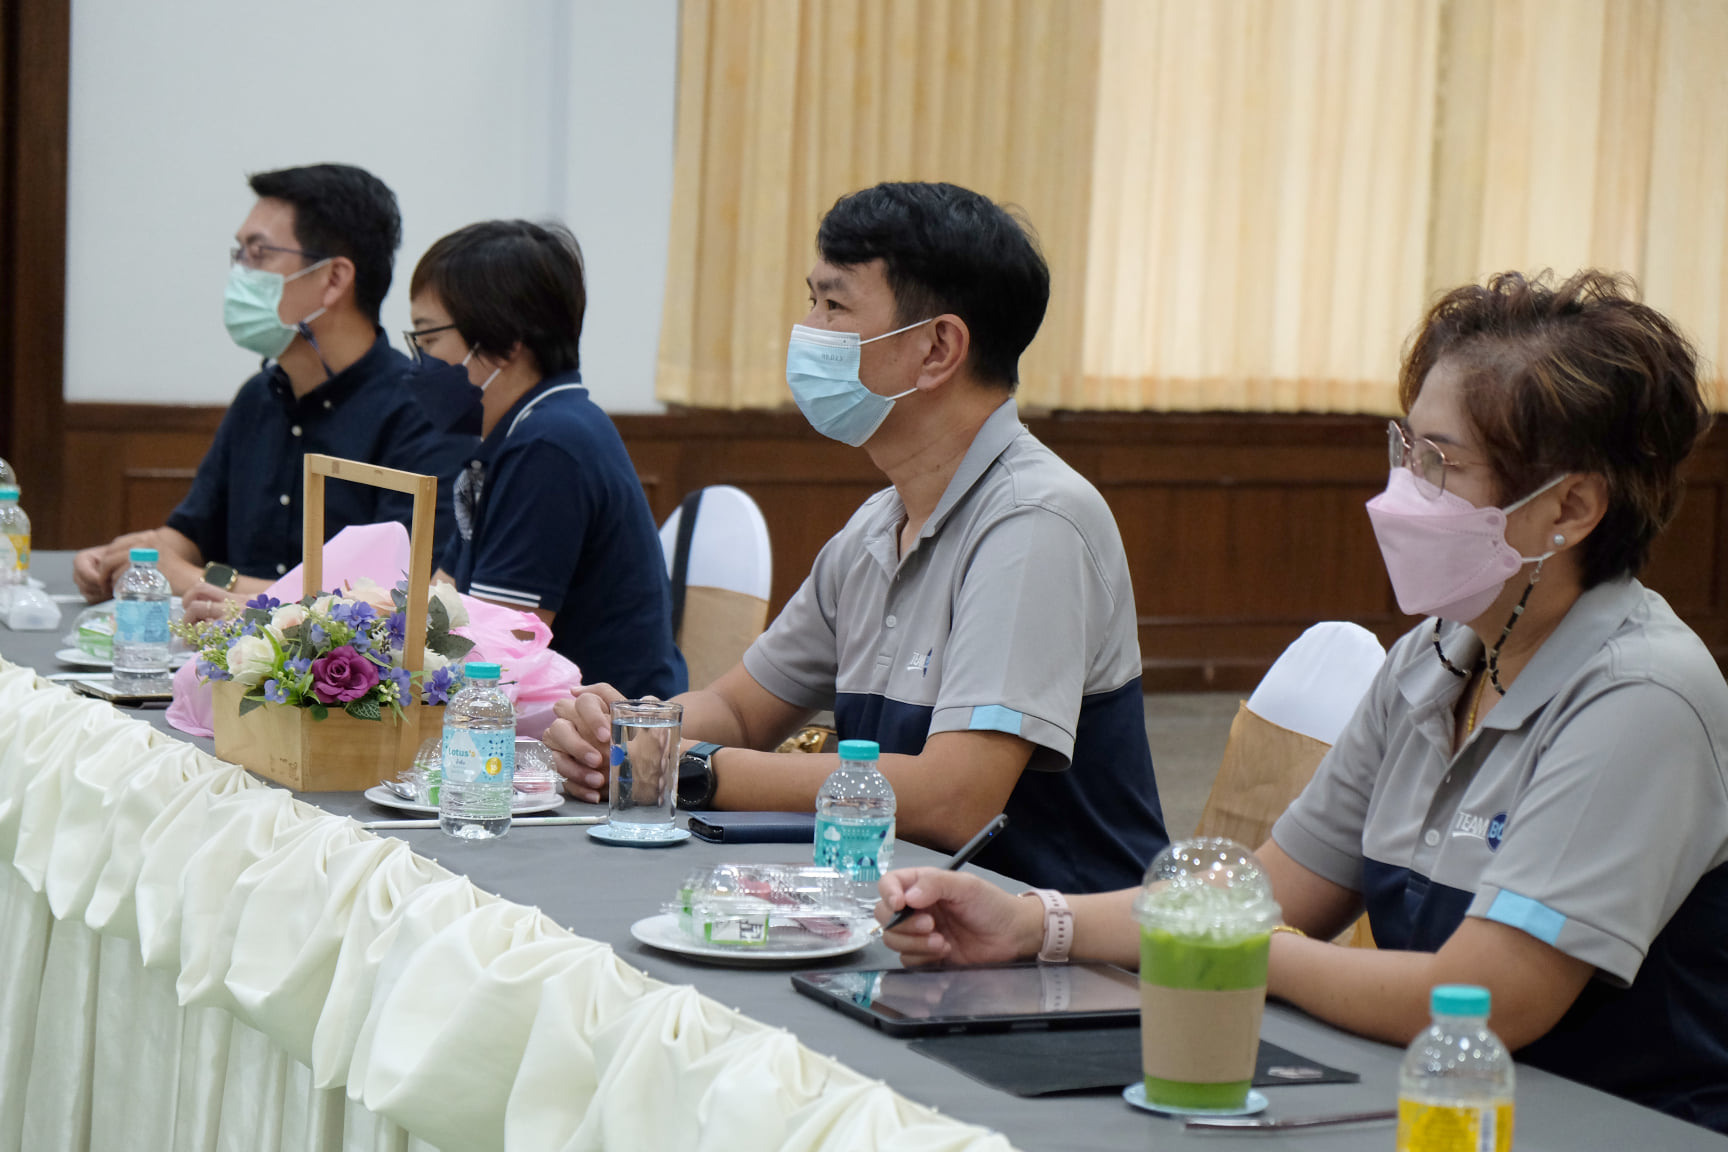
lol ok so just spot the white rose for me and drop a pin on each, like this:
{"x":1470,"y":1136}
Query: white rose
{"x":447,"y":595}
{"x":434,"y":662}
{"x":250,"y":660}
{"x":321,"y":606}
{"x":284,"y":618}
{"x":370,"y":592}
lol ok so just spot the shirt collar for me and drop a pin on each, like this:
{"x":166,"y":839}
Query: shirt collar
{"x":338,"y":387}
{"x":501,"y":431}
{"x":998,"y":431}
{"x":1594,"y":617}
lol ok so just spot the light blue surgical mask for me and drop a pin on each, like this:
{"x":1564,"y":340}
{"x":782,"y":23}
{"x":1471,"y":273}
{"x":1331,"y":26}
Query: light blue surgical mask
{"x":822,"y":371}
{"x":251,"y":309}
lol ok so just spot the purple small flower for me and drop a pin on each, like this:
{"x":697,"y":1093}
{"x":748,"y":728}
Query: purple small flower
{"x":353,"y":613}
{"x":398,"y":629}
{"x":251,"y":629}
{"x":299,"y":665}
{"x":438,"y":686}
{"x":264,"y":601}
{"x":274,"y":692}
{"x":209,"y":671}
{"x":398,"y":677}
{"x":317,"y":634}
{"x":362,"y":642}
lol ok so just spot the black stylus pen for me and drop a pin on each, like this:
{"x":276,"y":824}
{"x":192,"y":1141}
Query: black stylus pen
{"x":955,"y":862}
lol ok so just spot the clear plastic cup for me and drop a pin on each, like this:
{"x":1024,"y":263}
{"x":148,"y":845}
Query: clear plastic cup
{"x":1206,"y":914}
{"x":536,"y":777}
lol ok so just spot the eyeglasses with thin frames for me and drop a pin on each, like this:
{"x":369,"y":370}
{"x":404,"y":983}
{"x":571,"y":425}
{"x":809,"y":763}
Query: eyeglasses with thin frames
{"x":1421,"y":455}
{"x":251,"y":253}
{"x":412,"y":337}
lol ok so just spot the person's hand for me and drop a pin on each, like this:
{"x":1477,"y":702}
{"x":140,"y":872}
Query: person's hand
{"x":205,"y":601}
{"x":581,"y":739}
{"x":94,"y":570}
{"x":962,"y":918}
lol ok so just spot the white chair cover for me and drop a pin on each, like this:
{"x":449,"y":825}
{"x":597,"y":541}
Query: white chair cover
{"x":1315,"y":686}
{"x":729,"y":548}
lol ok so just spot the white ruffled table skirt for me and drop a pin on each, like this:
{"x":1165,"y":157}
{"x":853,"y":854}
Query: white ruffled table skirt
{"x":192,"y":959}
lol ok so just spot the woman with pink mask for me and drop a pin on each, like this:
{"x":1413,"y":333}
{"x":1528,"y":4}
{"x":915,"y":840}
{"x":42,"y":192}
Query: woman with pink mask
{"x":1532,"y":796}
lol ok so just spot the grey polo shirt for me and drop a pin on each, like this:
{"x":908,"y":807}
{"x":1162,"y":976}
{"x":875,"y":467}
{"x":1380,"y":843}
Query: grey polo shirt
{"x":1012,"y":612}
{"x":1589,"y":809}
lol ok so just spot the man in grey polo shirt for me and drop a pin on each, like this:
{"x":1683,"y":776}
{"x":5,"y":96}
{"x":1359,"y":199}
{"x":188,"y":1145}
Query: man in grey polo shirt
{"x":976,"y":618}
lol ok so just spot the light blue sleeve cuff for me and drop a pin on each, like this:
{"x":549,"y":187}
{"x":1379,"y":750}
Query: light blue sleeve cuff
{"x":1526,"y":914}
{"x":995,"y":718}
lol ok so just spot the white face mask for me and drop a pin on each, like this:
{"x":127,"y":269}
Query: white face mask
{"x":251,"y":309}
{"x":822,"y":371}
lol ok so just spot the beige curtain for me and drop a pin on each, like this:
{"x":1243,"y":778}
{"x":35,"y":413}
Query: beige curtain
{"x":1246,"y":204}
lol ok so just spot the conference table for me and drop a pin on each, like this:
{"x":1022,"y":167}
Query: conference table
{"x":597,"y":892}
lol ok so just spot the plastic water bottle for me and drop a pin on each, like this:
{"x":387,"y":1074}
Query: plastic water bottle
{"x":14,"y":536}
{"x":1455,"y":1088}
{"x":141,"y":625}
{"x":855,"y":819}
{"x":8,"y":475}
{"x":479,"y":758}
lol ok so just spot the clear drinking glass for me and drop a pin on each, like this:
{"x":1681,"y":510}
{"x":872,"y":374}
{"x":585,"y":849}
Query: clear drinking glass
{"x":644,"y":778}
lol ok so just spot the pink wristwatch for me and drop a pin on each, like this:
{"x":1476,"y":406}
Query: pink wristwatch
{"x":1058,"y":926}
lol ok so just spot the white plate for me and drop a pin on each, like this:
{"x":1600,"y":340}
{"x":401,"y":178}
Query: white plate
{"x":1135,"y":1094}
{"x":663,"y":932}
{"x":379,"y":794}
{"x":79,"y":658}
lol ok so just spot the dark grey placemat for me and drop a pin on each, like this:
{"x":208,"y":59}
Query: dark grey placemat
{"x":1090,"y":1060}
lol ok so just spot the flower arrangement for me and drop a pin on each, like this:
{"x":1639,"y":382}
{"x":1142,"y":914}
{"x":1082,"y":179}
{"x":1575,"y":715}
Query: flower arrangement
{"x":333,"y":650}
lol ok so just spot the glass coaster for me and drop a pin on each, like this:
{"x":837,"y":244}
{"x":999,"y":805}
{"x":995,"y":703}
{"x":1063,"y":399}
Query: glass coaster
{"x":604,"y":834}
{"x":1135,"y":1094}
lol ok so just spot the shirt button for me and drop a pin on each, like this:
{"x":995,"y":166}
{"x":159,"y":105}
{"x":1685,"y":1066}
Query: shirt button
{"x":281,"y":569}
{"x":890,"y":622}
{"x":1431,"y":837}
{"x":284,"y":498}
{"x":326,"y":405}
{"x":295,"y":430}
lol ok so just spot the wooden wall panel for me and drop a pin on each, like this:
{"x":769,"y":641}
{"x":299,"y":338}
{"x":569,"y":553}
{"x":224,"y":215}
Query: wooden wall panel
{"x":1240,"y":530}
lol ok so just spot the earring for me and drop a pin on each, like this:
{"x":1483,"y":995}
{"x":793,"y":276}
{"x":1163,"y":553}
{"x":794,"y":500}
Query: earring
{"x":1559,"y":540}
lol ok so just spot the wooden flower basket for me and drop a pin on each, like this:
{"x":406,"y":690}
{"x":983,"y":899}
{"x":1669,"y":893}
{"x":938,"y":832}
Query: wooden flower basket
{"x":340,"y":753}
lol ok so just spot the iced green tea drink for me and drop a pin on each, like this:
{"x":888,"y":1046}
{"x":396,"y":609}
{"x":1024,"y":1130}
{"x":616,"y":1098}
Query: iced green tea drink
{"x":1206,"y":915}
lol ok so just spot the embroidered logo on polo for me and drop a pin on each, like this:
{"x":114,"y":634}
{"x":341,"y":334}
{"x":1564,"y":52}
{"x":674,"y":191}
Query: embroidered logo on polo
{"x":1490,"y":829}
{"x":920,"y":664}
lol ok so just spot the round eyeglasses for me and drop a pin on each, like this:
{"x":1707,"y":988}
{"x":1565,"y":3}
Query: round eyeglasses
{"x":1419,"y":454}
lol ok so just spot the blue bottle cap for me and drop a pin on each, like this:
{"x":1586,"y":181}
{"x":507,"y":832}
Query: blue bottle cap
{"x":8,"y":492}
{"x":479,"y":671}
{"x":860,"y":750}
{"x":1458,"y":1000}
{"x":143,"y":555}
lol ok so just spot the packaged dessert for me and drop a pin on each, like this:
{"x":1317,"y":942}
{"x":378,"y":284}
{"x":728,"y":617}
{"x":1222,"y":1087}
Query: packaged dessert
{"x":757,"y":905}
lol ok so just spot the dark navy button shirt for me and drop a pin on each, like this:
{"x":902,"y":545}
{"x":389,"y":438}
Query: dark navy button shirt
{"x":550,"y":515}
{"x":246,"y":507}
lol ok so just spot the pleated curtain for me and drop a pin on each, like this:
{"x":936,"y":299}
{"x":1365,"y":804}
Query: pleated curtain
{"x":1246,"y":204}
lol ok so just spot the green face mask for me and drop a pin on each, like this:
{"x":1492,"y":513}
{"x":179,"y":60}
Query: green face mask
{"x":252,"y":305}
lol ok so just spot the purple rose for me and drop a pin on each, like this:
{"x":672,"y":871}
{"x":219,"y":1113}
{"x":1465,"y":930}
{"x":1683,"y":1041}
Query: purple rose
{"x":342,"y":675}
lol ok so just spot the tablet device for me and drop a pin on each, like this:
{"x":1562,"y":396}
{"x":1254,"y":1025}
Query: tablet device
{"x":986,"y":998}
{"x":754,"y":827}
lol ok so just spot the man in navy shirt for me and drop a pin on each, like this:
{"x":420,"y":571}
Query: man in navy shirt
{"x":550,"y":516}
{"x":310,"y":271}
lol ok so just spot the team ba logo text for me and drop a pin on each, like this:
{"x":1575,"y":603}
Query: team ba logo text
{"x":1491,"y":829}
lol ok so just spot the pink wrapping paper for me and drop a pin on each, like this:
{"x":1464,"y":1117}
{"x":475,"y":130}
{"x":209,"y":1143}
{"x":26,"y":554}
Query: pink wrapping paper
{"x":535,"y":677}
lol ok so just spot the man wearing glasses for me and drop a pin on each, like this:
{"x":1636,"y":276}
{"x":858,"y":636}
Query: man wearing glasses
{"x":309,"y":271}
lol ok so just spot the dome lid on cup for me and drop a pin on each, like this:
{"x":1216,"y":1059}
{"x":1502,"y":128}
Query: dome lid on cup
{"x":1208,"y":888}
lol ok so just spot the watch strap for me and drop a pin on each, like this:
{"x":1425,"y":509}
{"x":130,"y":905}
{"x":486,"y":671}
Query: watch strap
{"x":1058,"y":926}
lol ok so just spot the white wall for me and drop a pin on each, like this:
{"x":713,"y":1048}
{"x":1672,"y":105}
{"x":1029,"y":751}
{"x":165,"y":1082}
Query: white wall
{"x":468,"y":110}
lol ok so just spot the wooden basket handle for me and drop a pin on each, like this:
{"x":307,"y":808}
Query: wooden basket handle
{"x":424,"y":489}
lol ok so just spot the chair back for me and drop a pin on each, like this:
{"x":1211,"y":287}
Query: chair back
{"x":722,"y":600}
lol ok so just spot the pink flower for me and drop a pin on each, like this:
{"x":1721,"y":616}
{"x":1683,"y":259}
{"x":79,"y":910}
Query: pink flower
{"x":342,"y":675}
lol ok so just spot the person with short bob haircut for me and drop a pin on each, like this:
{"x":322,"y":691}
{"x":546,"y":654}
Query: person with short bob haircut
{"x":1532,"y":796}
{"x":550,"y":516}
{"x":974,"y":619}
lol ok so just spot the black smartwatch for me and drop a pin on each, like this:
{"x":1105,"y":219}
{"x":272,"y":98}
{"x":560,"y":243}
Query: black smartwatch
{"x":696,"y":778}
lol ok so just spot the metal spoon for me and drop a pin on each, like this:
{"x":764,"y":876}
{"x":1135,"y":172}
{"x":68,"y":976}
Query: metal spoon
{"x":1267,"y":1124}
